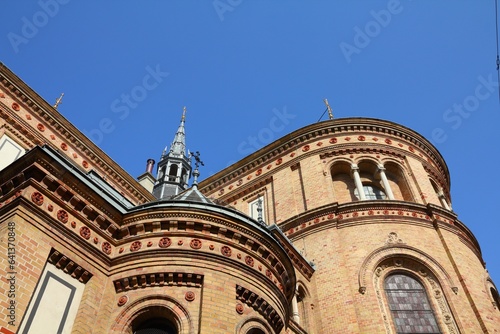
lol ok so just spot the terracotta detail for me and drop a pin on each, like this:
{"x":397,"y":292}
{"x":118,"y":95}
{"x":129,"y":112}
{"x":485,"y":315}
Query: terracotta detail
{"x":85,"y":232}
{"x":96,"y":240}
{"x":306,"y":148}
{"x":52,"y":137}
{"x":279,"y":161}
{"x":50,"y":207}
{"x":62,"y":216}
{"x":190,"y":296}
{"x":37,"y":198}
{"x":122,"y":300}
{"x":164,"y":242}
{"x":238,"y":256}
{"x":221,"y":192}
{"x":64,"y":146}
{"x":121,"y":250}
{"x":292,"y":154}
{"x":135,"y":246}
{"x":180,"y":242}
{"x":249,"y":261}
{"x":388,"y":141}
{"x":73,"y":224}
{"x":75,"y":155}
{"x":361,"y":138}
{"x":149,"y":244}
{"x":40,"y":127}
{"x":85,"y":164}
{"x":268,"y":273}
{"x":195,"y":244}
{"x":2,"y":96}
{"x":319,"y":143}
{"x":239,"y":308}
{"x":347,"y":138}
{"x":211,"y":247}
{"x":226,"y":251}
{"x":333,"y":140}
{"x":258,"y":172}
{"x":106,"y":247}
{"x":16,"y":106}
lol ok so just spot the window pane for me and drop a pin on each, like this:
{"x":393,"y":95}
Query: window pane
{"x":410,"y":308}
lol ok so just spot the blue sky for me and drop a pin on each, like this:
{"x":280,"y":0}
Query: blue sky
{"x":127,"y":69}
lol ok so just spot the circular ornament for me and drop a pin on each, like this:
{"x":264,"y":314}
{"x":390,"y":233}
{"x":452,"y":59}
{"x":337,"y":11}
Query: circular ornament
{"x":226,"y":251}
{"x":122,"y":301}
{"x":135,"y":246}
{"x":195,"y":244}
{"x":165,"y":242}
{"x":85,"y":232}
{"x":62,"y":216}
{"x":106,"y":247}
{"x":37,"y":198}
{"x":190,"y":296}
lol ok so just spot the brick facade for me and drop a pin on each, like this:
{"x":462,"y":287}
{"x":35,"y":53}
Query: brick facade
{"x":319,"y":265}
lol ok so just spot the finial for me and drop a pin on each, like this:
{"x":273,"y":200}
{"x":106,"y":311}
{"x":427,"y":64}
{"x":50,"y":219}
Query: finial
{"x":183,"y":114}
{"x":259,"y":211}
{"x":197,"y":164}
{"x":330,"y":112}
{"x":58,"y":101}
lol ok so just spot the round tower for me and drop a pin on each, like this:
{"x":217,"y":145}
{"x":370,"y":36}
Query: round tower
{"x":368,"y":202}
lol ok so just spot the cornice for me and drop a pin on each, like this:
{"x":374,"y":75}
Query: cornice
{"x":354,"y":130}
{"x":68,"y":131}
{"x":375,"y":212}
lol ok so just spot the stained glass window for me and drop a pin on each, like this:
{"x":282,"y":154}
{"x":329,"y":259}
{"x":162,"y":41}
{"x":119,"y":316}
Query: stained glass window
{"x":409,"y":305}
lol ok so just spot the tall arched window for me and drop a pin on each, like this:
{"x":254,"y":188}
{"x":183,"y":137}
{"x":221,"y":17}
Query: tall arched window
{"x":155,"y":326}
{"x":409,"y":305}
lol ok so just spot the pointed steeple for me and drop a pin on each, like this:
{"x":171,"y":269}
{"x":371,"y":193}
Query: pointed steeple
{"x":178,"y":148}
{"x":174,"y":167}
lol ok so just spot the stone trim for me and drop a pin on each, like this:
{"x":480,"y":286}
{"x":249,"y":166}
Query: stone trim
{"x":67,"y":265}
{"x":158,"y":279}
{"x":261,"y":306}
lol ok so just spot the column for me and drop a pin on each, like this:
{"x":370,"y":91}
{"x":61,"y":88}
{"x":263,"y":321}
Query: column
{"x":442,"y":198}
{"x":385,"y":182}
{"x":357,"y":181}
{"x":295,"y":309}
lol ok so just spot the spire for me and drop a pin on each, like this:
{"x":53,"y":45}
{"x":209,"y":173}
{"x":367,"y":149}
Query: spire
{"x":174,"y":167}
{"x":178,"y":147}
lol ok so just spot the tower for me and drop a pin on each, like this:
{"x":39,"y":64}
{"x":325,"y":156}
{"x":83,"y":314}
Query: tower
{"x":174,"y":168}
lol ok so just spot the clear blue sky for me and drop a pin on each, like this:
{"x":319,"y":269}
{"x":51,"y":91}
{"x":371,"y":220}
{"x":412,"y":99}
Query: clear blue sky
{"x":127,"y":68}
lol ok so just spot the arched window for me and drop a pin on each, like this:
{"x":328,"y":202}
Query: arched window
{"x":371,"y":192}
{"x":496,"y":298}
{"x":409,"y":305}
{"x":172,"y":173}
{"x":155,"y":326}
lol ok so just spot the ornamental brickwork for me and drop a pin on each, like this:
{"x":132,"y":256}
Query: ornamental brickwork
{"x":345,"y":207}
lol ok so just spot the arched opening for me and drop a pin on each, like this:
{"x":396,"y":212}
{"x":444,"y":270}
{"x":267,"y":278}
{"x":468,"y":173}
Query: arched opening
{"x":155,"y":326}
{"x":397,"y":182}
{"x":302,"y":301}
{"x":172,"y":173}
{"x":343,"y":184}
{"x":496,"y":298}
{"x":409,"y":305}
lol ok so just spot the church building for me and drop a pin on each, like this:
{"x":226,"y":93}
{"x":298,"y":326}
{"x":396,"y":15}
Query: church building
{"x":342,"y":226}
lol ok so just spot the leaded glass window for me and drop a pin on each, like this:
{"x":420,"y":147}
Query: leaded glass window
{"x":409,"y":305}
{"x":371,"y":192}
